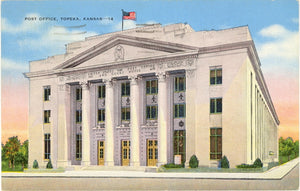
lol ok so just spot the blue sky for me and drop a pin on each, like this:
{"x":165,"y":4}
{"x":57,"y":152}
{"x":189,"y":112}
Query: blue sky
{"x":273,"y":24}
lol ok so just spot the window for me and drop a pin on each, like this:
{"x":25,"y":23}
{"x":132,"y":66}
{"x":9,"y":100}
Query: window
{"x":78,"y":94}
{"x":125,"y":89}
{"x":216,"y":105}
{"x":215,"y":143}
{"x":151,"y":112}
{"x":151,"y":87}
{"x":47,"y":114}
{"x":179,"y":144}
{"x":78,"y":146}
{"x":101,"y":91}
{"x":47,"y":93}
{"x":125,"y":114}
{"x":101,"y":115}
{"x":47,"y":144}
{"x":216,"y":76}
{"x":179,"y":84}
{"x":78,"y":116}
{"x":179,"y":110}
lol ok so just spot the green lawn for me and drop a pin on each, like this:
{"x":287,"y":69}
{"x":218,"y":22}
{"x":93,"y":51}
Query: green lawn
{"x":207,"y":169}
{"x":18,"y":167}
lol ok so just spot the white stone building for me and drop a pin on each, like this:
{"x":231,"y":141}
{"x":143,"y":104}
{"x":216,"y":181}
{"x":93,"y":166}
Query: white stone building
{"x":150,"y":96}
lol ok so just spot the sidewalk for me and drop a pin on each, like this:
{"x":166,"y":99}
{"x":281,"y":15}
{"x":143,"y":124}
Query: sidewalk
{"x":275,"y":173}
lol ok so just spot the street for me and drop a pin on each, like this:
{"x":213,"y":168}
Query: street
{"x":289,"y":182}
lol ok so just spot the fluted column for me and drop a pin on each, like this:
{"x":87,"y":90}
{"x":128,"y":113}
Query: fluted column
{"x":109,"y":124}
{"x":162,"y":118}
{"x":134,"y":122}
{"x":86,"y":161}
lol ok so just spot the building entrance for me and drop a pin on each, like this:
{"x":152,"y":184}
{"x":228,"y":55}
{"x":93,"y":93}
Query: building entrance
{"x":152,"y":152}
{"x":101,"y":153}
{"x":125,"y":153}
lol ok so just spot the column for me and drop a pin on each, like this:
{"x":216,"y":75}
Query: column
{"x":63,"y":140}
{"x":162,"y":118}
{"x":134,"y":122}
{"x":109,"y":124}
{"x":86,"y":161}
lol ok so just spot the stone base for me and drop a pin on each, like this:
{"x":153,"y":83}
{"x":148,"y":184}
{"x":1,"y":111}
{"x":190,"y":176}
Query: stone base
{"x":109,"y":163}
{"x":134,"y":163}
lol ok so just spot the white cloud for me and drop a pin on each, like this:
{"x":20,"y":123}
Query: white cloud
{"x":281,"y":52}
{"x":54,"y":39}
{"x":7,"y":64}
{"x":295,"y":20}
{"x":26,"y":26}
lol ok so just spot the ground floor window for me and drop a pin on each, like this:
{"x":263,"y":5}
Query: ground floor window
{"x":78,"y":146}
{"x":179,"y":144}
{"x":47,"y":144}
{"x":215,"y":143}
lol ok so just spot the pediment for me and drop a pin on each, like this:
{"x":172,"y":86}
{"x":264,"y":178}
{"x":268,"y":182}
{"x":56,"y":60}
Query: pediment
{"x":121,"y":48}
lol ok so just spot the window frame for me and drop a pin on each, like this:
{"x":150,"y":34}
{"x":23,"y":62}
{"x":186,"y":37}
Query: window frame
{"x":151,"y":107}
{"x":47,"y":93}
{"x":215,"y":105}
{"x":126,"y":114}
{"x":176,"y":114}
{"x":47,"y":115}
{"x":177,"y":84}
{"x":78,"y":94}
{"x":126,"y":91}
{"x":47,"y":146}
{"x":215,"y":76}
{"x":101,"y":115}
{"x":216,"y":152}
{"x":101,"y":91}
{"x":78,"y":116}
{"x":78,"y":147}
{"x":177,"y":137}
{"x":150,"y":87}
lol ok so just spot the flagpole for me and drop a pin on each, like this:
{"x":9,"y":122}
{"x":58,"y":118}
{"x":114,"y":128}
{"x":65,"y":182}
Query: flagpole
{"x":122,"y":19}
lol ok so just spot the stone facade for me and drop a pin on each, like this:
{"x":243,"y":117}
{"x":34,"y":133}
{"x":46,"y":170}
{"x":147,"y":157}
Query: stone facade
{"x":208,"y":98}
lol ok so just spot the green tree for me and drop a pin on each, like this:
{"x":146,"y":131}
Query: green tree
{"x":296,"y":148}
{"x":11,"y":149}
{"x":286,"y":147}
{"x":22,"y":156}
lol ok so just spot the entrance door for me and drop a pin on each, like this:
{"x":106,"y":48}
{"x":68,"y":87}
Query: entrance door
{"x":101,"y":153}
{"x":152,"y":153}
{"x":125,"y":153}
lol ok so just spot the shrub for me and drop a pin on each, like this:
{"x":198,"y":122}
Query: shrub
{"x":258,"y":163}
{"x":35,"y":164}
{"x":172,"y":165}
{"x":193,"y":163}
{"x":49,"y":164}
{"x":224,"y":162}
{"x":246,"y":166}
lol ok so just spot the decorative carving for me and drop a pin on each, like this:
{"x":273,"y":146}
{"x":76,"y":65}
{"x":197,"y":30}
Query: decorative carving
{"x":181,"y":97}
{"x":127,"y":101}
{"x":85,"y":85}
{"x":108,"y":83}
{"x":181,"y":123}
{"x":119,"y":53}
{"x":134,"y":79}
{"x":161,"y":76}
{"x":64,"y":87}
{"x":154,"y":100}
{"x":190,"y":73}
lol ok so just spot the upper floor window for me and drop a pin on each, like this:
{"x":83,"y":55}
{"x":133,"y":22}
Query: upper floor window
{"x":151,"y":87}
{"x":151,"y":112}
{"x":78,"y":116}
{"x":216,"y":105}
{"x":101,"y":115}
{"x":215,"y":143}
{"x":47,"y":114}
{"x":125,"y":89}
{"x":216,"y":76}
{"x":101,"y":91}
{"x":125,"y":114}
{"x":47,"y":93}
{"x":179,"y":110}
{"x":179,"y":84}
{"x":78,"y":94}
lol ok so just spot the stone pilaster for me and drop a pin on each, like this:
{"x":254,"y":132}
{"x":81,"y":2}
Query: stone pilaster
{"x":86,"y":158}
{"x":134,"y":122}
{"x":162,"y":118}
{"x":109,"y":124}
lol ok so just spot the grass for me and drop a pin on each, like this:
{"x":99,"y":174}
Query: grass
{"x":5,"y":167}
{"x":221,"y":170}
{"x":284,"y":159}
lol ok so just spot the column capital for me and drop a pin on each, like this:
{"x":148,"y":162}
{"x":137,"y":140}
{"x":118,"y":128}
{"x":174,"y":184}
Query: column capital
{"x":134,"y":79}
{"x":108,"y":82}
{"x":64,"y":87}
{"x":85,"y":85}
{"x":190,"y":73}
{"x":161,"y":76}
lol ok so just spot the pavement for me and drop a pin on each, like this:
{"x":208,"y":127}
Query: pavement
{"x":276,"y":173}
